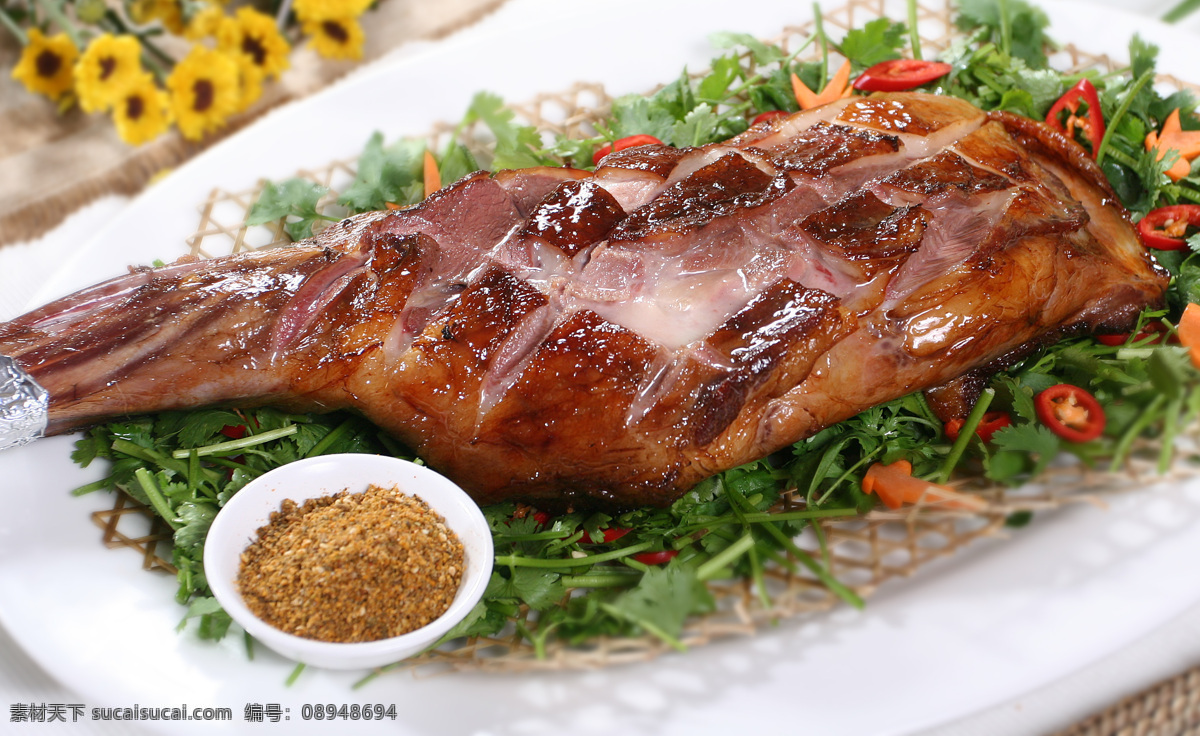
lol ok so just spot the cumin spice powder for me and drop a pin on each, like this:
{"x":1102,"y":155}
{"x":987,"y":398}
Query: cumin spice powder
{"x":352,"y":567}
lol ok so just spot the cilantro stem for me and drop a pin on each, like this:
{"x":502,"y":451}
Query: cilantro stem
{"x":616,"y":554}
{"x":141,"y":453}
{"x":758,"y":517}
{"x":329,"y":439}
{"x":535,"y":537}
{"x":648,"y":626}
{"x":760,"y":581}
{"x":823,"y":42}
{"x":846,"y":474}
{"x":724,"y":558}
{"x":1180,"y":11}
{"x":601,"y":580}
{"x":1111,"y":125}
{"x":146,"y":481}
{"x":1144,"y":419}
{"x":965,"y":434}
{"x":1005,"y":28}
{"x":221,"y":448}
{"x":1167,"y":440}
{"x":93,"y":486}
{"x":914,"y":38}
{"x":822,"y":574}
{"x":291,"y":680}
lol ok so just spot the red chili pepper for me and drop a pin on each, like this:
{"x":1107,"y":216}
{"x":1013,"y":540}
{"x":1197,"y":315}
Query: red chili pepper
{"x":1092,"y":120}
{"x":234,"y":431}
{"x":1153,"y":330}
{"x":623,"y":143}
{"x":762,"y":117}
{"x":656,"y":558}
{"x":541,"y":517}
{"x":900,"y":74}
{"x":611,"y":534}
{"x":1070,"y":412}
{"x":992,"y":422}
{"x":1165,"y":227}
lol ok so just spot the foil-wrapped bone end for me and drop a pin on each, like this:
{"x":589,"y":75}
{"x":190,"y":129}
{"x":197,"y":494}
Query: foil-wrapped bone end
{"x":24,"y":406}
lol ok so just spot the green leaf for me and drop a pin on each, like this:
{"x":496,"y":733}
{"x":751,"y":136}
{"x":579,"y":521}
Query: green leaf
{"x":715,"y":85}
{"x":664,"y":598}
{"x":294,"y":198}
{"x":1031,"y":440}
{"x":763,"y":54}
{"x":634,"y":115}
{"x":195,"y":519}
{"x":878,"y":40}
{"x":517,"y":146}
{"x":696,"y":129}
{"x":386,"y":175}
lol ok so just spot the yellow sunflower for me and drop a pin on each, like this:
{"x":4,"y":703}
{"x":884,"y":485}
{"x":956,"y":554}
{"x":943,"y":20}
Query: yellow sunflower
{"x":168,"y":11}
{"x":108,"y":65}
{"x":204,"y":23}
{"x":254,"y":40}
{"x":314,"y":10}
{"x":250,"y":89}
{"x":45,"y":64}
{"x":205,"y":91}
{"x":336,"y":38}
{"x":142,"y":112}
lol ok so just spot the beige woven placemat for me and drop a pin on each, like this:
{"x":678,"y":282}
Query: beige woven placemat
{"x":1170,"y":708}
{"x":51,"y":164}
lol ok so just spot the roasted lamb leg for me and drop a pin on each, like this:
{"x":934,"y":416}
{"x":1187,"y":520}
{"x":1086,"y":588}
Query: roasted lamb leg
{"x":612,"y":338}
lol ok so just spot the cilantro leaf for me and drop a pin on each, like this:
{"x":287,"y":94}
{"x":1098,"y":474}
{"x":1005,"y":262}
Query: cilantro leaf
{"x":762,"y":53}
{"x":386,"y":175}
{"x":878,"y":40}
{"x":517,"y":146}
{"x":664,"y":598}
{"x":296,"y":198}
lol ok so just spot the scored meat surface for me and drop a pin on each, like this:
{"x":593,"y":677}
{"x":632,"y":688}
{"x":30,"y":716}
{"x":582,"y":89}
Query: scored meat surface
{"x":612,"y":338}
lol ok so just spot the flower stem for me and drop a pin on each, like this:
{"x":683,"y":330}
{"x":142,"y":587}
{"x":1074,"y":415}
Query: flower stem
{"x":12,"y":26}
{"x":55,"y":12}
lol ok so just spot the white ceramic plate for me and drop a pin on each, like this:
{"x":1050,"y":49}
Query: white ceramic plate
{"x":995,"y":621}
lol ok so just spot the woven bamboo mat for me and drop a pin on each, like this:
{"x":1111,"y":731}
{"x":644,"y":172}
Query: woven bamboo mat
{"x":51,"y":164}
{"x":1170,"y":708}
{"x":864,"y":554}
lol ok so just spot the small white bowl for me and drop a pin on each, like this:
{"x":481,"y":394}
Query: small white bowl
{"x":236,"y":525}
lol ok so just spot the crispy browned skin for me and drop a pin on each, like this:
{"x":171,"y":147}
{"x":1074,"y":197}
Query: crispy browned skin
{"x":615,"y":337}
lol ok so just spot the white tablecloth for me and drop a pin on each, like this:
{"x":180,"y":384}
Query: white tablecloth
{"x":1164,"y":653}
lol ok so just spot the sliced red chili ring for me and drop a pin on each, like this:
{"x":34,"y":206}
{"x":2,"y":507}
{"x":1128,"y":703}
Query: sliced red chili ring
{"x":1091,"y":121}
{"x":656,"y":558}
{"x":608,"y":534}
{"x":992,"y":422}
{"x":900,"y":74}
{"x":1070,"y":412}
{"x":234,"y":431}
{"x":541,"y":517}
{"x":623,"y":143}
{"x":1165,"y":227}
{"x":763,"y":117}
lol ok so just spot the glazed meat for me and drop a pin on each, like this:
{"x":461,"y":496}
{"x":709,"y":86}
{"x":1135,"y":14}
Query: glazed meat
{"x":612,"y":338}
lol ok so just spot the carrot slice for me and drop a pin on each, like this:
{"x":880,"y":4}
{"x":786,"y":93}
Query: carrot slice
{"x":1189,"y":331}
{"x":837,"y":87}
{"x":1173,"y":136}
{"x":433,"y":179}
{"x":896,"y":486}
